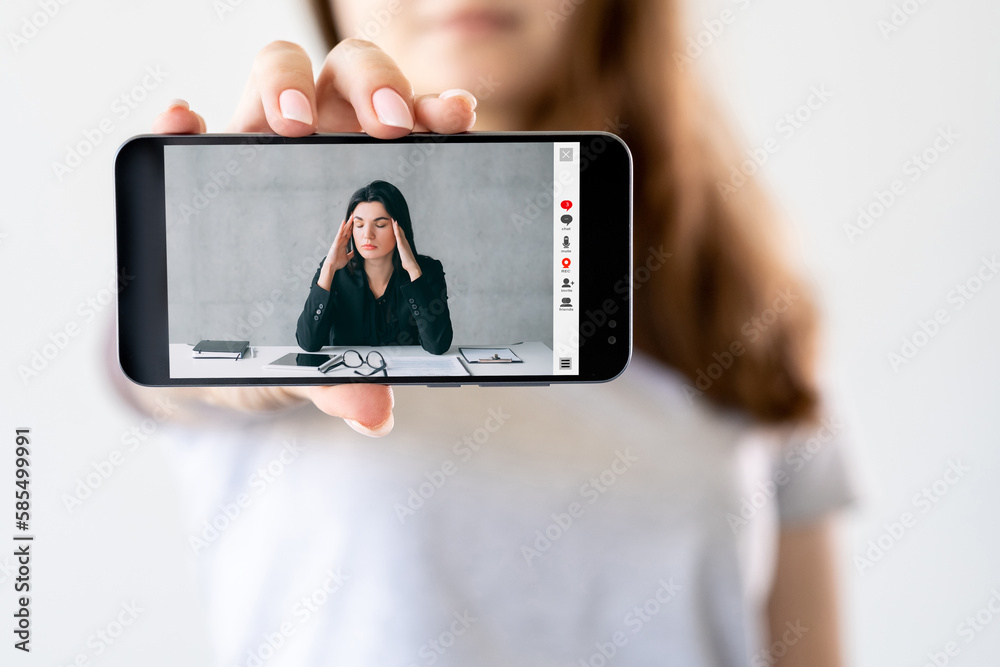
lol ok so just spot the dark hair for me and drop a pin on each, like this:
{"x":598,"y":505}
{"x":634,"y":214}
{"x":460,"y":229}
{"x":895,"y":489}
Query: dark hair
{"x":392,"y":199}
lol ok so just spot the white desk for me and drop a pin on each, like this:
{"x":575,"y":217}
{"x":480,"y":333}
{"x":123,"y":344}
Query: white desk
{"x":536,"y":360}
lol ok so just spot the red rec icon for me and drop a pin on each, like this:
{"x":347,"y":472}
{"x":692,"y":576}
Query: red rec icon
{"x":567,"y":204}
{"x":565,"y":262}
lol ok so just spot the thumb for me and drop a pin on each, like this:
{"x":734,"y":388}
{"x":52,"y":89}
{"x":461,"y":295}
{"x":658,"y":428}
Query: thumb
{"x":367,"y":408}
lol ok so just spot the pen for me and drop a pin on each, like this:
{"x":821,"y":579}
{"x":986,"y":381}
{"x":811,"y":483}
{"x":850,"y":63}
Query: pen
{"x":327,"y":365}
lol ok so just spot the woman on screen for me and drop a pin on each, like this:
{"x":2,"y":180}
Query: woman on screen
{"x":372,"y":288}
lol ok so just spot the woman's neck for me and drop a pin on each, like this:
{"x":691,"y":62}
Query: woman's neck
{"x":379,"y":270}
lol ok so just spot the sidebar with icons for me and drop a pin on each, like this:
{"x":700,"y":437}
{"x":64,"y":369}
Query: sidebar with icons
{"x":565,"y":260}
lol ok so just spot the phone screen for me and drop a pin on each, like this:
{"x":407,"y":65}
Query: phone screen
{"x":494,"y":229}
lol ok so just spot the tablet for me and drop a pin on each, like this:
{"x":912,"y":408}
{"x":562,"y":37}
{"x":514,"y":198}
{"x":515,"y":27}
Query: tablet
{"x":298,"y":361}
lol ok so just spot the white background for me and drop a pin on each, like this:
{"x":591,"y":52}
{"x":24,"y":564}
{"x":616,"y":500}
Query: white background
{"x":889,"y":96}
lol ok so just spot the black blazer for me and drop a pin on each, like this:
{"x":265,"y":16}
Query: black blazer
{"x":337,"y":317}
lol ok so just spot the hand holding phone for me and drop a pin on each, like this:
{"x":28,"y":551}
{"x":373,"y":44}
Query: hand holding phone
{"x":358,"y":88}
{"x":342,"y":99}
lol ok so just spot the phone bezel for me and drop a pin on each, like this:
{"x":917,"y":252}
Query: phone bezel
{"x":605,"y":252}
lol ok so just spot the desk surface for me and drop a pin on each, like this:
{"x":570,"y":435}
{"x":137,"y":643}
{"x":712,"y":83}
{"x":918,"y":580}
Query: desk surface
{"x":536,"y":360}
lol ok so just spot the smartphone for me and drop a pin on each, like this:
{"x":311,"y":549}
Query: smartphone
{"x":479,"y":258}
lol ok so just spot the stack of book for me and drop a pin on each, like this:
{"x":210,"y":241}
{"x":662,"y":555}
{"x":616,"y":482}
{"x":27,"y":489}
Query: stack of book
{"x":220,"y":349}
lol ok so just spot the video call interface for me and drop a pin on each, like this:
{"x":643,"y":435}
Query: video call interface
{"x":455,"y":259}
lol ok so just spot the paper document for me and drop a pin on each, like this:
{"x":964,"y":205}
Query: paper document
{"x":425,"y":366}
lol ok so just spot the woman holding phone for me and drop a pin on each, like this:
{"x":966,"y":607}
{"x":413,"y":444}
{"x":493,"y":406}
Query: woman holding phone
{"x":655,"y":519}
{"x":373,"y":288}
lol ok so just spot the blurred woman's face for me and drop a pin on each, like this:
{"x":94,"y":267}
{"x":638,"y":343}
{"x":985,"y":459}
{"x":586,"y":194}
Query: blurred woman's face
{"x":499,"y":50}
{"x":372,"y":227}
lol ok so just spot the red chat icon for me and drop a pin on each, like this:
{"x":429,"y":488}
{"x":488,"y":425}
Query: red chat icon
{"x":565,"y":262}
{"x":567,"y":204}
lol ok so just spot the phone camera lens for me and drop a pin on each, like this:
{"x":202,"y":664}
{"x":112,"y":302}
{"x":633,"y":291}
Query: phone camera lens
{"x":612,"y":324}
{"x":612,"y":340}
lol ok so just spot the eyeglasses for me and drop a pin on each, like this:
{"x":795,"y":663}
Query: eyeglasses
{"x":353,"y":359}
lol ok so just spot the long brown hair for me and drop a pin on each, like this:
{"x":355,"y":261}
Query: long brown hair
{"x":726,"y":309}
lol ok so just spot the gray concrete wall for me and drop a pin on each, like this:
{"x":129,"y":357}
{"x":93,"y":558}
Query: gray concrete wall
{"x":242,"y":249}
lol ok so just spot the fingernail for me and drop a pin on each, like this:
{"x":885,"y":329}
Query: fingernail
{"x":371,"y":432}
{"x":458,"y":92}
{"x":178,"y":103}
{"x":391,"y":109}
{"x":295,"y":106}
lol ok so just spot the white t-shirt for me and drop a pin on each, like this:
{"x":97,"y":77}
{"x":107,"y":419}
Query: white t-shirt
{"x":620,"y":523}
